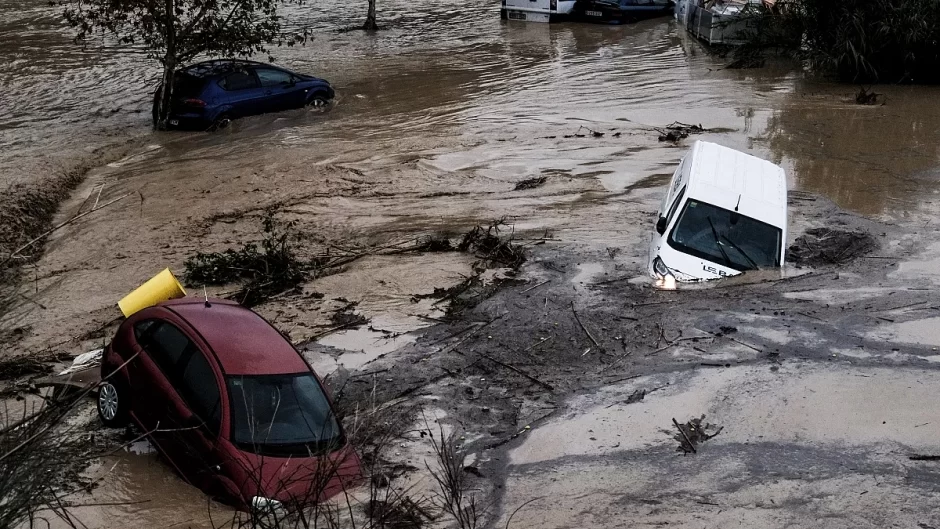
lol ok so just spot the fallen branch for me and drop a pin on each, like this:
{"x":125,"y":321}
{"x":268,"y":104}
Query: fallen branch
{"x":536,"y":286}
{"x":519,"y":371}
{"x":684,"y":435}
{"x":583,"y":328}
{"x":924,"y":457}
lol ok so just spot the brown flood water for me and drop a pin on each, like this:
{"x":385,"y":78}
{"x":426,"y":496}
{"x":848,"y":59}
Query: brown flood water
{"x":437,"y":118}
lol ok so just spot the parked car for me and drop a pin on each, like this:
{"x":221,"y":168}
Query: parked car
{"x":210,"y":94}
{"x":724,"y":212}
{"x":229,"y":402}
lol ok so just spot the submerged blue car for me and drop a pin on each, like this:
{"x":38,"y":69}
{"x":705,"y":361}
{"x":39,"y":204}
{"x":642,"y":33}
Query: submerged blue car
{"x":208,"y":95}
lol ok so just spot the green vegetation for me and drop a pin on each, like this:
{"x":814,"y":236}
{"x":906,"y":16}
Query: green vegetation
{"x":890,"y":41}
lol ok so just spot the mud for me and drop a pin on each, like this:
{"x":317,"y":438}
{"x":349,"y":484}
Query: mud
{"x":444,"y":122}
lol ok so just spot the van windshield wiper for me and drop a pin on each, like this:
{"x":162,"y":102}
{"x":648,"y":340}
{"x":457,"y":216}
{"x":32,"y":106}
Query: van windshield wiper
{"x":742,"y":252}
{"x":718,"y":241}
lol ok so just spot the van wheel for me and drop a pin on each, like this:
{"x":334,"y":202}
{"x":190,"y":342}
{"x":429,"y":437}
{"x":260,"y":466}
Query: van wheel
{"x":112,"y":403}
{"x":220,"y":123}
{"x":318,"y":101}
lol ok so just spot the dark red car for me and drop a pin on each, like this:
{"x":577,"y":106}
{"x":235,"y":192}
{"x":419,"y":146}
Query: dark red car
{"x":229,"y":402}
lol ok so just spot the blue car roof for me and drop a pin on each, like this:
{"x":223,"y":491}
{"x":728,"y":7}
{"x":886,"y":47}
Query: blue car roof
{"x":211,"y":68}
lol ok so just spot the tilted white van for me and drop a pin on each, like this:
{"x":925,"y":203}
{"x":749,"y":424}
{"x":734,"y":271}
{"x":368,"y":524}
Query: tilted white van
{"x":536,"y":10}
{"x":725,"y":212}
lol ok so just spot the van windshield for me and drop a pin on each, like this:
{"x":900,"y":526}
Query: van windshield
{"x":726,"y":237}
{"x":282,"y":415}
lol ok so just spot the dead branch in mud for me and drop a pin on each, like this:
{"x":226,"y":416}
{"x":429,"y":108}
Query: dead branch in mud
{"x":492,"y":248}
{"x":828,"y":246}
{"x":583,"y":328}
{"x":38,"y":469}
{"x":272,"y":266}
{"x":22,"y":366}
{"x":451,"y":480}
{"x":689,"y":445}
{"x":693,"y":433}
{"x":514,"y":369}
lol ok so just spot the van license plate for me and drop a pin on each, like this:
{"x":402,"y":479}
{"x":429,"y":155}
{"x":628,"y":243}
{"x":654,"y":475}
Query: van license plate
{"x":516,"y":15}
{"x":594,"y":13}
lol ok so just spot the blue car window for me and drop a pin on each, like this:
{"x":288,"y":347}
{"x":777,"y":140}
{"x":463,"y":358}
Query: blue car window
{"x":240,"y":80}
{"x":272,"y":77}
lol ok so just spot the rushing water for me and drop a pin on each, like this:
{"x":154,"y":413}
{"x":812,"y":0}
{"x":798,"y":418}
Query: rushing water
{"x":451,"y":90}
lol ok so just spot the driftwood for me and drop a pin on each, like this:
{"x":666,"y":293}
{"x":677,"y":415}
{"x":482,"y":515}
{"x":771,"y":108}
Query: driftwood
{"x":583,"y":328}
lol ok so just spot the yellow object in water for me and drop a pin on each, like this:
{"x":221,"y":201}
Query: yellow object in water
{"x":160,"y":287}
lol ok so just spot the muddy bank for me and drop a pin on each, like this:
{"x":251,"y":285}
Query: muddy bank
{"x":27,"y":209}
{"x":565,"y":389}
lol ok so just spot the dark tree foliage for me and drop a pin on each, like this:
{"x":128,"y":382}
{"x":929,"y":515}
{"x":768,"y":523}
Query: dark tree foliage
{"x":857,"y":40}
{"x":175,"y":32}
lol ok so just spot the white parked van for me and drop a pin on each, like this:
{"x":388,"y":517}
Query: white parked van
{"x":724,"y":212}
{"x":537,"y":10}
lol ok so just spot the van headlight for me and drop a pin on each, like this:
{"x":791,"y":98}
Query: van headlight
{"x":267,"y":506}
{"x":660,"y":268}
{"x":665,"y":280}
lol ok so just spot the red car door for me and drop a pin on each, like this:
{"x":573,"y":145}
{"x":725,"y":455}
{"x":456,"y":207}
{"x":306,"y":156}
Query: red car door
{"x":162,"y":378}
{"x":197,"y":411}
{"x":159,"y":347}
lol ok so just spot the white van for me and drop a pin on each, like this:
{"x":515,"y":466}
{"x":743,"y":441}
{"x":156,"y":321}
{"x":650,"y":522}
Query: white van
{"x":537,"y":10}
{"x":724,"y":212}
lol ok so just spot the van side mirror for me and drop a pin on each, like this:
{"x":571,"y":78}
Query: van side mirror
{"x":661,"y":225}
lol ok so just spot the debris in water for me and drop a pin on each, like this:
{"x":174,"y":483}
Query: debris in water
{"x":22,"y":366}
{"x":271,"y":269}
{"x":492,"y":248}
{"x":866,"y":97}
{"x":678,"y":131}
{"x":347,"y":316}
{"x":531,"y":183}
{"x":436,"y":243}
{"x":693,"y":433}
{"x":84,"y":361}
{"x":637,"y":396}
{"x":470,"y":469}
{"x":578,"y":134}
{"x":827,"y":246}
{"x":923,"y":457}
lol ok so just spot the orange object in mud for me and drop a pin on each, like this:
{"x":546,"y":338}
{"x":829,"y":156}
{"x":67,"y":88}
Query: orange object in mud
{"x":160,"y":287}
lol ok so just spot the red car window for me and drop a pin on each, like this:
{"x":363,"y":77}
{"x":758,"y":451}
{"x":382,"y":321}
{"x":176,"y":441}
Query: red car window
{"x":165,"y":344}
{"x":200,"y":391}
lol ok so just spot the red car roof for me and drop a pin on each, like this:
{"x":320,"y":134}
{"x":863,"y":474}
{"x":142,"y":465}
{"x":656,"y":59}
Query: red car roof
{"x":244,"y":342}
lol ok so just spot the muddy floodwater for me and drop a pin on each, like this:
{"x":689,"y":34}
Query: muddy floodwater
{"x":438,"y":117}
